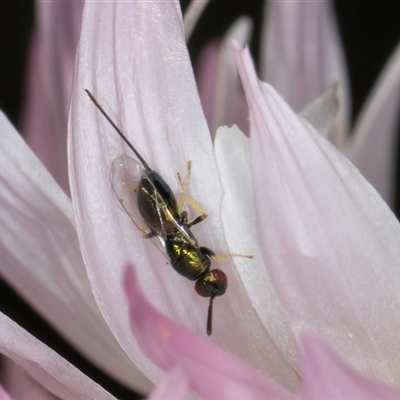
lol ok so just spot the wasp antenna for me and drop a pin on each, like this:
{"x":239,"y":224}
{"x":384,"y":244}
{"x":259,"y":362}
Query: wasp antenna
{"x":124,"y":138}
{"x":209,"y":316}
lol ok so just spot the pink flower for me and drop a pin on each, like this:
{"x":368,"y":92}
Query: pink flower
{"x":302,"y":58}
{"x":325,"y":245}
{"x":195,"y":363}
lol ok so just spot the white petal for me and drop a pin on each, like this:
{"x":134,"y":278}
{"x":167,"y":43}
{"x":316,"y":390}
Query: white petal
{"x":322,"y":111}
{"x":373,"y":145}
{"x":133,"y":57}
{"x":53,"y":372}
{"x":331,"y":244}
{"x":40,"y":254}
{"x":303,"y":56}
{"x":232,"y":150}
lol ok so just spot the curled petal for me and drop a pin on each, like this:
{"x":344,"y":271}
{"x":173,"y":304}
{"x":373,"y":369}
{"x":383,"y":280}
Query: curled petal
{"x":331,"y":244}
{"x":211,"y":371}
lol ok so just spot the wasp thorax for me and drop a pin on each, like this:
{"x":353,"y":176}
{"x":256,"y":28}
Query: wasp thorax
{"x":212,"y":283}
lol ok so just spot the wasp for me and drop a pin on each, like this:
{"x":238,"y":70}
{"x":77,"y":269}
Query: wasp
{"x":164,"y":218}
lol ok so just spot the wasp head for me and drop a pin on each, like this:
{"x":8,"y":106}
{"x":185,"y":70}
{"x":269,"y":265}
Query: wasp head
{"x":212,"y":283}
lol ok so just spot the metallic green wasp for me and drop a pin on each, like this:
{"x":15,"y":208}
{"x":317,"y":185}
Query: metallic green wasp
{"x":149,"y":201}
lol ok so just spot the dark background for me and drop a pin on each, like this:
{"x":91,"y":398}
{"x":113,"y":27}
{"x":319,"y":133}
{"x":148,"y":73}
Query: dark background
{"x":370,"y":31}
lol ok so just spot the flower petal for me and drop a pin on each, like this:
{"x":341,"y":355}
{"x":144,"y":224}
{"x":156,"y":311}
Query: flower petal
{"x":373,"y":144}
{"x":206,"y":78}
{"x":325,"y":376}
{"x":51,"y":68}
{"x":173,"y":386}
{"x":3,"y":394}
{"x":212,"y":372}
{"x":303,"y":56}
{"x":44,"y":365}
{"x":20,"y":384}
{"x":133,"y":57}
{"x":232,"y":150}
{"x":322,"y":112}
{"x":40,"y":255}
{"x":331,"y":244}
{"x":192,"y":15}
{"x":227,"y":105}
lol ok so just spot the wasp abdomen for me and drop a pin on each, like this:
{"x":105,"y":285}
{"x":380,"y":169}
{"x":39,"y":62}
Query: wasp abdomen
{"x":157,"y":203}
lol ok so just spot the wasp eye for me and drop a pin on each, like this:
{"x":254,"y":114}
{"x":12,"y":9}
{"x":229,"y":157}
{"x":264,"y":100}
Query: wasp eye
{"x":212,"y":283}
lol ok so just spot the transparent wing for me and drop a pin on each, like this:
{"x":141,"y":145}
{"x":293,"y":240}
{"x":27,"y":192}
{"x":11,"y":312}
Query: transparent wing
{"x":125,"y":176}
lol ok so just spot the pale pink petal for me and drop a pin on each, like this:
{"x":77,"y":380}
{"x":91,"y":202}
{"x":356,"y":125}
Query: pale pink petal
{"x":325,"y":376}
{"x":53,"y":372}
{"x":330,"y":243}
{"x":133,"y":57}
{"x":19,"y":383}
{"x":192,"y":15}
{"x":256,"y":292}
{"x":173,"y":386}
{"x":374,"y":141}
{"x":322,"y":111}
{"x":51,"y":68}
{"x":41,"y":259}
{"x":219,"y":86}
{"x":302,"y":56}
{"x":4,"y":395}
{"x":212,"y":372}
{"x":206,"y":78}
{"x":160,"y":112}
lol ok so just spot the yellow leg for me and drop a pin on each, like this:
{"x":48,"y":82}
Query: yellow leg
{"x":186,"y":199}
{"x":223,"y":257}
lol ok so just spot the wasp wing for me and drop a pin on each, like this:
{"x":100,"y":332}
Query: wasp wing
{"x":125,"y":176}
{"x":159,"y":210}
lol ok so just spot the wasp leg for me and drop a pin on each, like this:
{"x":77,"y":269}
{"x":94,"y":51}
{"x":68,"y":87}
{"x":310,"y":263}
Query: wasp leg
{"x":186,"y":199}
{"x":223,"y":257}
{"x":197,"y":220}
